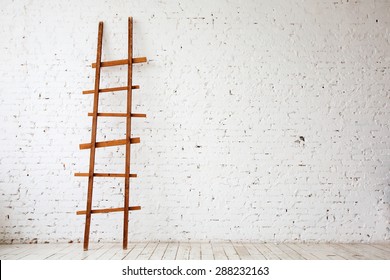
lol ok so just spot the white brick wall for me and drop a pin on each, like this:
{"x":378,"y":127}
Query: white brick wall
{"x":268,"y":120}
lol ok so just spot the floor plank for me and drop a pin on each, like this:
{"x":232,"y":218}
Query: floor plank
{"x":183,"y":253}
{"x":266,"y":252}
{"x":159,"y":251}
{"x":290,"y":252}
{"x":218,"y":251}
{"x":254,"y":252}
{"x":24,"y":254}
{"x":135,"y":251}
{"x":120,"y":254}
{"x":44,"y":252}
{"x":147,"y":252}
{"x":230,"y":251}
{"x":206,"y":251}
{"x":11,"y":249}
{"x":366,"y":251}
{"x":275,"y":248}
{"x":98,"y":253}
{"x":383,"y":247}
{"x":305,"y":254}
{"x":20,"y":251}
{"x":322,"y":251}
{"x":346,"y":253}
{"x":114,"y":249}
{"x":80,"y":254}
{"x":59,"y":255}
{"x":242,"y":251}
{"x":195,"y":251}
{"x":171,"y":251}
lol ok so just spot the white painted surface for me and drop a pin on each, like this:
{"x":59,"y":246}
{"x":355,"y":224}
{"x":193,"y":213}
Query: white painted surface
{"x":194,"y":251}
{"x":231,"y":90}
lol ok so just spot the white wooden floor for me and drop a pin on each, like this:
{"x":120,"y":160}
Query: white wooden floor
{"x":197,"y":251}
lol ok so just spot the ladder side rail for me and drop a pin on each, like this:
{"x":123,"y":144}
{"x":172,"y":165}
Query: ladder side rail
{"x":93,"y":138}
{"x":128,"y":132}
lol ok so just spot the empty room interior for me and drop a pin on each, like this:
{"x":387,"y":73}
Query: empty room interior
{"x":195,"y":130}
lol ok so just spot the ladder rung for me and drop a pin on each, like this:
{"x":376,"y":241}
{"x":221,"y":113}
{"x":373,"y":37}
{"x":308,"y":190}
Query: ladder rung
{"x":108,"y":210}
{"x":118,"y":115}
{"x":120,"y":62}
{"x":136,"y":115}
{"x":108,"y":114}
{"x":110,"y":143}
{"x":92,"y":91}
{"x":140,"y":59}
{"x":105,"y":175}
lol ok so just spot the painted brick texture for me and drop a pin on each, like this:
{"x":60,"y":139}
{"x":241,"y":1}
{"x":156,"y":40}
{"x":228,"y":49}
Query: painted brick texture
{"x":267,"y":120}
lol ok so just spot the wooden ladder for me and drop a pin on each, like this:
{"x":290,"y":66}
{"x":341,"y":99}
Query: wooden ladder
{"x":127,"y":141}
